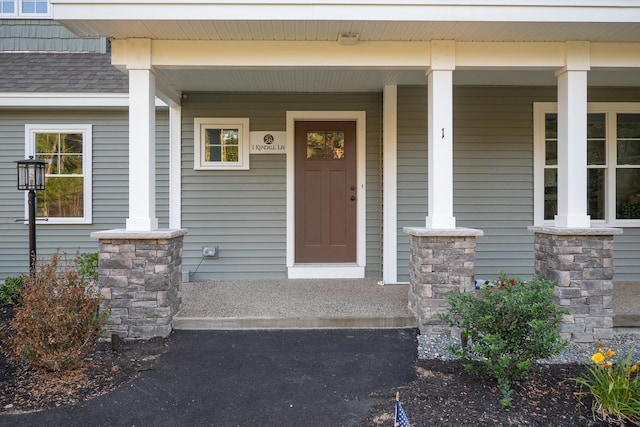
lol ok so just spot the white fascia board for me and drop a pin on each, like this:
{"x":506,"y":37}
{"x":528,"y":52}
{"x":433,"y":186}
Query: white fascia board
{"x":357,"y":10}
{"x":67,"y":100}
{"x":62,"y":100}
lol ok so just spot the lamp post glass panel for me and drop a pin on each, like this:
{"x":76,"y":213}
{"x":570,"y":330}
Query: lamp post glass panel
{"x":31,"y":178}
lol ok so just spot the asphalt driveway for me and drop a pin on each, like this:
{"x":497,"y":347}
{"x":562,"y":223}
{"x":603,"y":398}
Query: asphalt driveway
{"x":252,"y":378}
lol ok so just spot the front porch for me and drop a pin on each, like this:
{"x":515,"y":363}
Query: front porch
{"x":292,"y":304}
{"x":345,"y":303}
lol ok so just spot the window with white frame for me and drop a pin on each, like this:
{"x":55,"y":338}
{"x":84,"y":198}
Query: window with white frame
{"x":221,"y":143}
{"x":24,"y":8}
{"x":613,"y":163}
{"x":66,"y":151}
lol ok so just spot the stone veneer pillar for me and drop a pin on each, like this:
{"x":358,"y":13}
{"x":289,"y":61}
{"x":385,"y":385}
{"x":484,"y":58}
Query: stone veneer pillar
{"x":140,"y":273}
{"x":440,"y":261}
{"x":580,"y":262}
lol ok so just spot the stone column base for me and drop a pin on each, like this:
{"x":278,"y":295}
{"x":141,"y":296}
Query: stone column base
{"x":580,"y":262}
{"x":441,"y":261}
{"x":140,"y":274}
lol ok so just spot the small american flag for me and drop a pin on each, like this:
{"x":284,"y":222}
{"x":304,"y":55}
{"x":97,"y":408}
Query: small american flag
{"x":401,"y":418}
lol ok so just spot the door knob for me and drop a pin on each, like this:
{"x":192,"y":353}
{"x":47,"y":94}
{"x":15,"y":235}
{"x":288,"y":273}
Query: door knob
{"x":353,"y":197}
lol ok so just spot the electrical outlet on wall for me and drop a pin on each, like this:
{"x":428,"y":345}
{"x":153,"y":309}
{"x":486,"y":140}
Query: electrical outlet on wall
{"x":210,"y":252}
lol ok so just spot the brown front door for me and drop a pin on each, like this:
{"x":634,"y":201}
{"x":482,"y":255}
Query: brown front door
{"x":325,"y":191}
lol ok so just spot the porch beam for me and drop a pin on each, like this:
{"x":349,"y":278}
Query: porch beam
{"x":440,"y":136}
{"x":200,"y":54}
{"x":274,"y":54}
{"x":142,"y":139}
{"x":572,"y":138}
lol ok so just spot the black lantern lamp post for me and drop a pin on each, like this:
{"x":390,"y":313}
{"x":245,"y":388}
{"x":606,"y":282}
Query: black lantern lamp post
{"x":31,"y":179}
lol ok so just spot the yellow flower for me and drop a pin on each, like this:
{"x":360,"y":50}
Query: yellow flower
{"x":598,"y":357}
{"x":601,"y":351}
{"x":610,"y":353}
{"x":634,"y":368}
{"x":609,"y":363}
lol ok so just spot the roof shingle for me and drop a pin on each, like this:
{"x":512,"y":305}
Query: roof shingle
{"x":60,"y":72}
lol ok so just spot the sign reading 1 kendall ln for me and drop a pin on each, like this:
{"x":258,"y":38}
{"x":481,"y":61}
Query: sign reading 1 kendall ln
{"x":266,"y":142}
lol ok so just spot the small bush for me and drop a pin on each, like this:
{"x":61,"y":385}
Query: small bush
{"x":11,"y":291}
{"x":58,"y":321}
{"x":615,"y":388}
{"x":88,"y":265}
{"x":508,"y":326}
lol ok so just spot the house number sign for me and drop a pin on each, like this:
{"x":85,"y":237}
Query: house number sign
{"x":266,"y":142}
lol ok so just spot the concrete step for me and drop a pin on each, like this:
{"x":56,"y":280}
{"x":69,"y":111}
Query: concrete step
{"x":626,"y":305}
{"x":223,"y":323}
{"x":626,"y":320}
{"x":293,"y":304}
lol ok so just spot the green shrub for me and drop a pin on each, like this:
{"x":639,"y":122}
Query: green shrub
{"x":88,"y":265}
{"x":11,"y":290}
{"x":58,"y":321}
{"x":508,"y":326}
{"x":615,"y":388}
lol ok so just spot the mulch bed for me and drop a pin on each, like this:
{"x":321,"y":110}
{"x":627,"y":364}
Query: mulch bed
{"x":445,"y":394}
{"x":25,"y":390}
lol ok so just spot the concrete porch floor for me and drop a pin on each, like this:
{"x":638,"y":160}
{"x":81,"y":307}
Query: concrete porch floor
{"x":293,"y":303}
{"x":336,"y":303}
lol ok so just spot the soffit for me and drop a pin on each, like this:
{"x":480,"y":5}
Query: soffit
{"x":346,"y":80}
{"x":308,"y":30}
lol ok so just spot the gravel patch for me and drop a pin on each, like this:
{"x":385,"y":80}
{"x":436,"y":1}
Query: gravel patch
{"x":435,"y":347}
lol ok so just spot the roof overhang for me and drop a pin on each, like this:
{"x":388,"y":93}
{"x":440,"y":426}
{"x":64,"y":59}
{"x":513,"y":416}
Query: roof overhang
{"x":292,"y":45}
{"x":374,"y":20}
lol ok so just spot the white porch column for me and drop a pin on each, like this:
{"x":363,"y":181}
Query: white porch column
{"x":390,"y":185}
{"x":142,"y":138}
{"x":440,"y":129}
{"x":175,"y":166}
{"x":572,"y":138}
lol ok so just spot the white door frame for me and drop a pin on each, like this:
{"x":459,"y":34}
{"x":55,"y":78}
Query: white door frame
{"x":322,"y":271}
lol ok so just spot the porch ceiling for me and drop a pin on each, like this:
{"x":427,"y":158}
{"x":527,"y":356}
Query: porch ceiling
{"x":346,"y":80}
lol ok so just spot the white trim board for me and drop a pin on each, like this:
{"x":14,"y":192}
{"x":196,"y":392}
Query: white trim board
{"x":67,"y":100}
{"x":390,"y":185}
{"x":175,"y":166}
{"x":71,"y":11}
{"x":324,"y":271}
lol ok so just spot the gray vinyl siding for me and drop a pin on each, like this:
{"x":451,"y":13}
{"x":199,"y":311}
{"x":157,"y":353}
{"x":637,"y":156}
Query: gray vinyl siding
{"x":110,"y":184}
{"x":44,"y":35}
{"x":244,"y":212}
{"x":493,"y":174}
{"x":493,"y":183}
{"x":412,"y":168}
